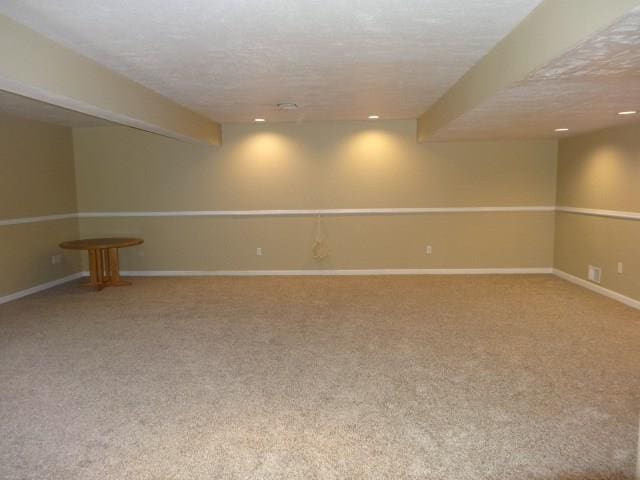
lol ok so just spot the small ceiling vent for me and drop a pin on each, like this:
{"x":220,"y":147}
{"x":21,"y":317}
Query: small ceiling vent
{"x":287,"y":106}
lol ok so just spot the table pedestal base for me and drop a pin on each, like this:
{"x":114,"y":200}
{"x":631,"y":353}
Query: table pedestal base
{"x":105,"y":269}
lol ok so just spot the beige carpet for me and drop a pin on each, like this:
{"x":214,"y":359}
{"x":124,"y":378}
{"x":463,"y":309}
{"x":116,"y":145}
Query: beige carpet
{"x":456,"y":378}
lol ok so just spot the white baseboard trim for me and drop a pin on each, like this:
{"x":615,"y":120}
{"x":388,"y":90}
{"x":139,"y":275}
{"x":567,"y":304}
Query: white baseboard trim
{"x":376,"y":271}
{"x":40,"y":288}
{"x":379,"y":271}
{"x":598,"y":289}
{"x":352,"y":272}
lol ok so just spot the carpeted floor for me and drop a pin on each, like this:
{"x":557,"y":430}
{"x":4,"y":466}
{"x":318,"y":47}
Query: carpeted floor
{"x":456,"y":378}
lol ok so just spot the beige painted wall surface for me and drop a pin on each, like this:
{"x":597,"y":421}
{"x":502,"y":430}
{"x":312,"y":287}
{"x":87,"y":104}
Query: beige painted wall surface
{"x":26,"y":250}
{"x":36,"y":179}
{"x":354,"y":242}
{"x":318,"y":166}
{"x":582,"y":240}
{"x":600,"y":170}
{"x":36,"y":169}
{"x":307,"y":166}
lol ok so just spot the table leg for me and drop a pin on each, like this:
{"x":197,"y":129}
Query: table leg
{"x":99,"y":269}
{"x":106,"y":268}
{"x":114,"y":269}
{"x":95,"y":269}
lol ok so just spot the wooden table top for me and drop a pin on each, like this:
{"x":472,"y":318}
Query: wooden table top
{"x":95,"y":243}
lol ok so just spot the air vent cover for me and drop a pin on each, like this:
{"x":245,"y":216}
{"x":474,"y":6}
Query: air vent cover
{"x":287,"y":106}
{"x":595,"y":274}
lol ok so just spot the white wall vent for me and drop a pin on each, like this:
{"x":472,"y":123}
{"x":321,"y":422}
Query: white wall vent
{"x":595,"y":274}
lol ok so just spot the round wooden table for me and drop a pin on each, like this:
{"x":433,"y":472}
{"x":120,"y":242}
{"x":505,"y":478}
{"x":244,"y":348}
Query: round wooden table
{"x":103,"y":259}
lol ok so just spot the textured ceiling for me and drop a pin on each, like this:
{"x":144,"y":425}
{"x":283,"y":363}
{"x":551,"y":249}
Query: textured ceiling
{"x":234,"y":60}
{"x":581,"y":90}
{"x":18,"y":106}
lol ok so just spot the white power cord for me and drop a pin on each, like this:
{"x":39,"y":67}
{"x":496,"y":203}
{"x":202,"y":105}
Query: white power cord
{"x":320,"y":249}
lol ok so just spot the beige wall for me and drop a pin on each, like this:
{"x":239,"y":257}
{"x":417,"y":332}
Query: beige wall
{"x":600,"y":171}
{"x":311,"y":165}
{"x":487,"y":240}
{"x":37,"y":170}
{"x":36,"y":179}
{"x":318,"y":166}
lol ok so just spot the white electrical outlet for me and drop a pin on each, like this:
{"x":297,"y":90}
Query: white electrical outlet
{"x":428,"y":250}
{"x":594,"y":274}
{"x":259,"y":251}
{"x":56,"y":259}
{"x":620,"y":267}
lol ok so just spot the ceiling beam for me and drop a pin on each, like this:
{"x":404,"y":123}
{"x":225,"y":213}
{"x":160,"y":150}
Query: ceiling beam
{"x":552,"y":29}
{"x":33,"y":66}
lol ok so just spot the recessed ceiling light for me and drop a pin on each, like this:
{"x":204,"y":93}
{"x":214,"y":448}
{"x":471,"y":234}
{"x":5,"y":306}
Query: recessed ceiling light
{"x":562,"y":129}
{"x":258,"y":119}
{"x":373,"y":117}
{"x":628,"y":112}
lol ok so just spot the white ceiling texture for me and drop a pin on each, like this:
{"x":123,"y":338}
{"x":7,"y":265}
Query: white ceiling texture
{"x":583,"y":90}
{"x":234,"y":60}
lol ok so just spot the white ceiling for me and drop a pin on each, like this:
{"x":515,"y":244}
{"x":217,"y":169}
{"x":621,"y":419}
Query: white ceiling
{"x":19,"y":106}
{"x":581,"y":90}
{"x":233,"y":60}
